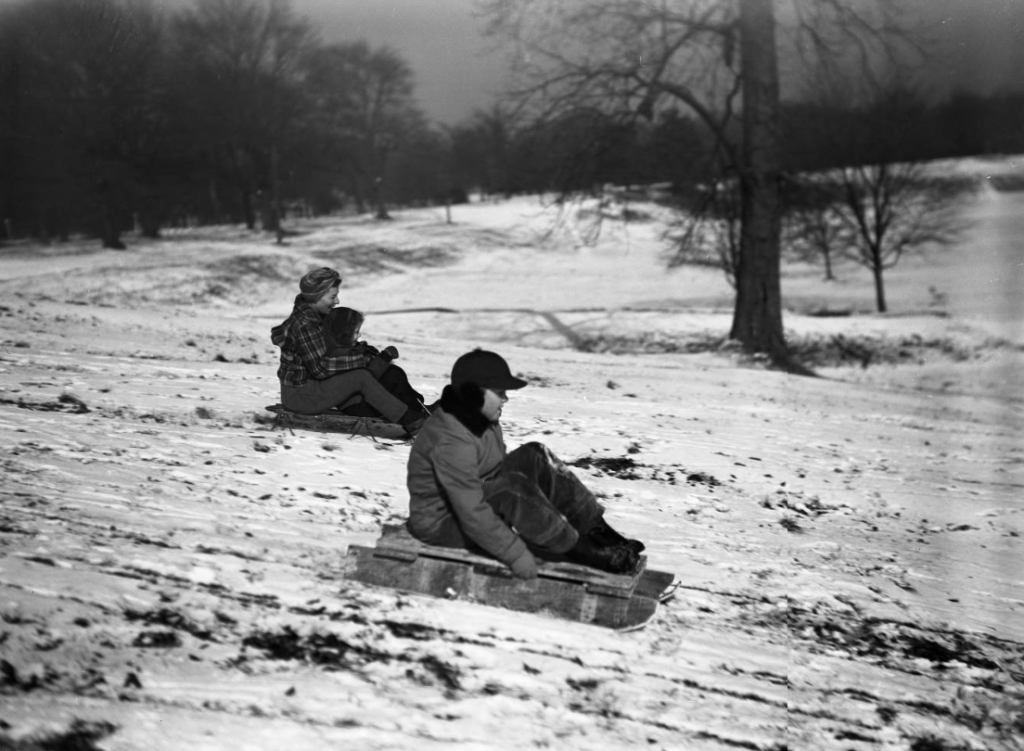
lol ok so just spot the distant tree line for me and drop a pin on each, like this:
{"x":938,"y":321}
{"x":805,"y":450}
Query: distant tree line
{"x":116,"y":115}
{"x":905,"y":125}
{"x":590,"y":149}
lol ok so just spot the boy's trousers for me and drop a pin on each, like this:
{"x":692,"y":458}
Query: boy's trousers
{"x":537,"y":495}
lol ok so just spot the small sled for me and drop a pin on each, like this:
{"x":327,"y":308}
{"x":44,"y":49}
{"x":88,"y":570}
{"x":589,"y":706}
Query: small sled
{"x":565,"y":590}
{"x":336,"y":421}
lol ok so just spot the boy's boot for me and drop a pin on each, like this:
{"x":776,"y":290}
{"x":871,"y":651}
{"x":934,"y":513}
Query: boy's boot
{"x":615,"y":559}
{"x":602,"y":534}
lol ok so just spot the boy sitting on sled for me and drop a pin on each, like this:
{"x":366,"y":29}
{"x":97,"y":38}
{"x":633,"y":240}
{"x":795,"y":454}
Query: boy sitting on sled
{"x":467,"y":492}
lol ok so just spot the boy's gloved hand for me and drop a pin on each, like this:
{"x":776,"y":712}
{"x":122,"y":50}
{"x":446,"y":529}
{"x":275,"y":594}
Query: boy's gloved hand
{"x":524,"y":567}
{"x":390,"y":352}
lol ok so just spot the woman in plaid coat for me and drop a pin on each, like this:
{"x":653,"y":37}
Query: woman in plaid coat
{"x":313,"y":381}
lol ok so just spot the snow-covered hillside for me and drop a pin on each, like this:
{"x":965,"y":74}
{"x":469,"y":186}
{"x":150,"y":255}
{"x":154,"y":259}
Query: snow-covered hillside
{"x":848,"y":546}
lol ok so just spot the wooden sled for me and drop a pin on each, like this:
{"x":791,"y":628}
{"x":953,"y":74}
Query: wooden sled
{"x":565,"y":590}
{"x":336,"y":421}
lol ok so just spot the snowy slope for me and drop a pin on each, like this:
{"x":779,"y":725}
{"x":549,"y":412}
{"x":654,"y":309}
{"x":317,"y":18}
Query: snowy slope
{"x":848,"y":546}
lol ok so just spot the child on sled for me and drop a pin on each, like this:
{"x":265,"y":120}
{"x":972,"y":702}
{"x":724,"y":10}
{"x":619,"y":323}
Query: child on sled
{"x":465,"y":491}
{"x":342,"y":327}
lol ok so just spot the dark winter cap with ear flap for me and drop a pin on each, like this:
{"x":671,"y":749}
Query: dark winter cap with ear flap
{"x":485,"y":369}
{"x":313,"y":285}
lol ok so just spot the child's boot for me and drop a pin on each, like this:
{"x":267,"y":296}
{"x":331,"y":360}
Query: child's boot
{"x":412,"y":421}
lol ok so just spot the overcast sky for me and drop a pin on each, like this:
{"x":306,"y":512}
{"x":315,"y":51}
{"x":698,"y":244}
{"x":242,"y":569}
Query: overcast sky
{"x":442,"y":41}
{"x":983,"y":49}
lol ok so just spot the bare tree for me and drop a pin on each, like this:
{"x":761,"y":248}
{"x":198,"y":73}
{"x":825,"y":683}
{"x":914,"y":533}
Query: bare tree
{"x":483,"y":151}
{"x":718,"y":59}
{"x":241,"y":62}
{"x":710,"y":235}
{"x":882,"y":200}
{"x":363,"y":98}
{"x":757,"y":319}
{"x":629,"y":59}
{"x":810,"y":226}
{"x":891,"y":207}
{"x":384,"y":87}
{"x":91,"y":64}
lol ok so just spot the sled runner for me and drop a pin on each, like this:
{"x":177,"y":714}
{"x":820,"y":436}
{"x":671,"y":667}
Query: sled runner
{"x":565,"y":590}
{"x":336,"y":421}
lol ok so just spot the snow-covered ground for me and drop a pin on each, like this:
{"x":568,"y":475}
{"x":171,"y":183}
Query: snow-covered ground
{"x":848,"y":546}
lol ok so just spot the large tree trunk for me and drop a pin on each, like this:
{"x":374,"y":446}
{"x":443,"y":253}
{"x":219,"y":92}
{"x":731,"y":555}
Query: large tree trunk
{"x":757,"y":319}
{"x":876,"y":271}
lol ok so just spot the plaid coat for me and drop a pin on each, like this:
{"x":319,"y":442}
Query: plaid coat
{"x":304,"y":353}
